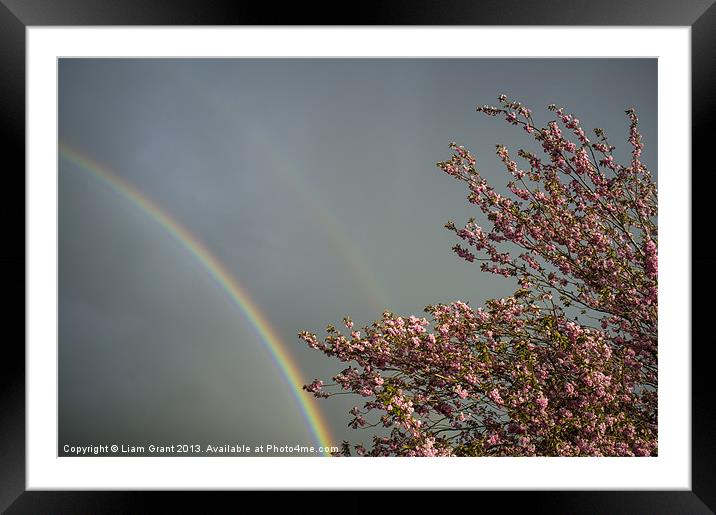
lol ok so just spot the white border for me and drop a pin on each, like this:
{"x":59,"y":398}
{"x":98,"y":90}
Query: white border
{"x":670,"y":470}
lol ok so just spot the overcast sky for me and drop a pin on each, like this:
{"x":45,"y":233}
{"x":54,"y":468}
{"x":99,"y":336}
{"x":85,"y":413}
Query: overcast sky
{"x":314,"y":182}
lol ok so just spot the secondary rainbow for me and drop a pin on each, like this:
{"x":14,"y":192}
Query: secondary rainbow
{"x":337,"y":234}
{"x":268,"y":335}
{"x":290,"y":177}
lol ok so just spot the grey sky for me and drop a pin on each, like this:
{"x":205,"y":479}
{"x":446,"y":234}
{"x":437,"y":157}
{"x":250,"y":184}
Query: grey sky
{"x":314,"y":182}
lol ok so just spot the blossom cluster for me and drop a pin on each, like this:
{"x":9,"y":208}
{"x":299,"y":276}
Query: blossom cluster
{"x":567,"y":365}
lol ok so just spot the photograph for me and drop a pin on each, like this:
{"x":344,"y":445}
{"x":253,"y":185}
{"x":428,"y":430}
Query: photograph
{"x":364,"y":257}
{"x":445,"y":248}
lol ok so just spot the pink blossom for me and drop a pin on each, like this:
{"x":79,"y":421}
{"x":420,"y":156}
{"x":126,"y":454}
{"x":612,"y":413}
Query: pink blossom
{"x":494,"y":394}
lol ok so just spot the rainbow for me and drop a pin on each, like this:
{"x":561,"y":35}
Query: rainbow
{"x":268,"y":335}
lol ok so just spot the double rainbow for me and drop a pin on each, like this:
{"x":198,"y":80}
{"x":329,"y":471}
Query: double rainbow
{"x":236,"y":292}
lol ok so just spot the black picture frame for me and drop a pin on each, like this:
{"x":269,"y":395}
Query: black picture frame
{"x":16,"y":15}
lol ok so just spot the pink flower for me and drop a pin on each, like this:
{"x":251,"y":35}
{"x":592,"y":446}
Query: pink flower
{"x":494,"y":394}
{"x":315,"y":386}
{"x":542,"y":402}
{"x":460,"y":391}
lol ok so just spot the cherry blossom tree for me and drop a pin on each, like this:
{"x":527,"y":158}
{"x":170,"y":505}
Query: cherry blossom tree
{"x":565,"y":366}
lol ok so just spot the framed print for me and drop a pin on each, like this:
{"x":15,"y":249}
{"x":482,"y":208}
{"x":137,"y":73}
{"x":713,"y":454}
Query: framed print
{"x":207,"y":189}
